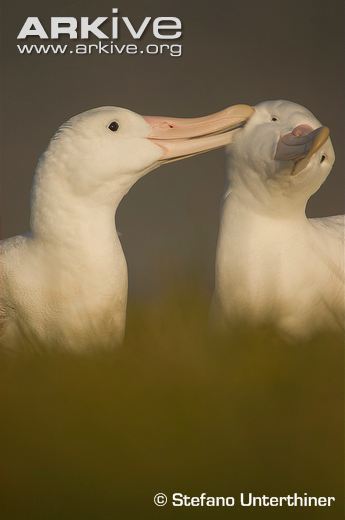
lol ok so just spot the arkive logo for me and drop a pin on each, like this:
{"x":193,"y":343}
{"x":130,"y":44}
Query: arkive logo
{"x":163,"y":27}
{"x":104,"y":29}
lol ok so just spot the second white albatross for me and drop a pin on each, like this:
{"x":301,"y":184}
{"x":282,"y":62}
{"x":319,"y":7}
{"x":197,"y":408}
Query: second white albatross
{"x":273,"y":263}
{"x":65,"y":282}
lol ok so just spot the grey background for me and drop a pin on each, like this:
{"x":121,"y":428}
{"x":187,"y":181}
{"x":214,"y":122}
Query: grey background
{"x":234,"y":52}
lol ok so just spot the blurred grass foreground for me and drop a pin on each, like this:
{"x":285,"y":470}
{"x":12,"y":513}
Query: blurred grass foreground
{"x":173,"y":410}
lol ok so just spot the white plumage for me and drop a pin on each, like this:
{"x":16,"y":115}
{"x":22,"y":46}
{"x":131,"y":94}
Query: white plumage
{"x":66,"y":281}
{"x":273,"y":263}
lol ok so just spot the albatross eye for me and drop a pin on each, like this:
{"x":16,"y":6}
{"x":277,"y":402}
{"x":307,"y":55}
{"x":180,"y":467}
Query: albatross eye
{"x":274,"y":118}
{"x":114,"y":126}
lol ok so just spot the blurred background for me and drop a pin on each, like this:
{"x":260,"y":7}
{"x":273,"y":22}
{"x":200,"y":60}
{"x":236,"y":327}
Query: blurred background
{"x":233,"y":52}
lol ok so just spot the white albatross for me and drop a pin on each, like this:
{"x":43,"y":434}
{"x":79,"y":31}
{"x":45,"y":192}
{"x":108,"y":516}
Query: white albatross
{"x":66,"y":281}
{"x":273,"y":263}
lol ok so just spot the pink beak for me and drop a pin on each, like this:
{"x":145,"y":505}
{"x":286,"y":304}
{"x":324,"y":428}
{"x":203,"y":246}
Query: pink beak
{"x":180,"y":138}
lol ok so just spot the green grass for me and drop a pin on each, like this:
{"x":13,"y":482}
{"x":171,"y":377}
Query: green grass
{"x":96,"y":436}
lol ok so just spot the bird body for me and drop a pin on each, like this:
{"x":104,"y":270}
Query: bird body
{"x":273,"y":263}
{"x":88,"y":294}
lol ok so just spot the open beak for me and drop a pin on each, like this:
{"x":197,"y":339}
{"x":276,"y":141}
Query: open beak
{"x":180,"y":138}
{"x":300,"y":145}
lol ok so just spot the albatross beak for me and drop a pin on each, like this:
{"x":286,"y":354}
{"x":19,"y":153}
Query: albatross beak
{"x":180,"y":138}
{"x":300,"y":145}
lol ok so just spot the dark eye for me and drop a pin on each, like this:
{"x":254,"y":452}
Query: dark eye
{"x":114,"y":126}
{"x":274,"y":118}
{"x":323,"y":157}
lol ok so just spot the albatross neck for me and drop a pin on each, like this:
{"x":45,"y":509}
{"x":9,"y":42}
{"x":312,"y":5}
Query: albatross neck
{"x":279,"y":200}
{"x":66,"y":220}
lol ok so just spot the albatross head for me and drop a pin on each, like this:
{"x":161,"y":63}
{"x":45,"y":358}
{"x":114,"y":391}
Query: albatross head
{"x":104,"y":151}
{"x":282,"y":150}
